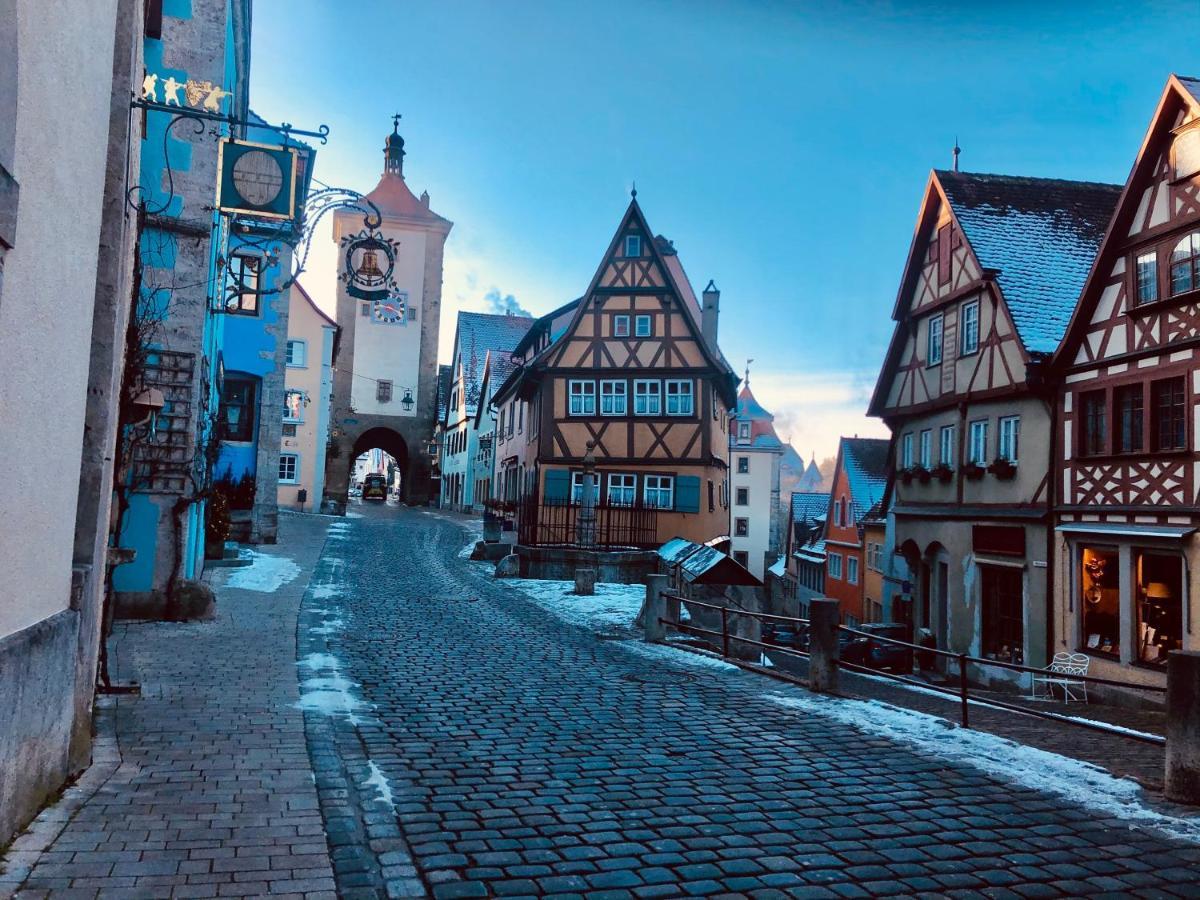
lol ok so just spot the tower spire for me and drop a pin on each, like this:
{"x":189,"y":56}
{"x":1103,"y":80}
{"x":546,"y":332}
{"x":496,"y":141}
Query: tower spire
{"x":393,"y":150}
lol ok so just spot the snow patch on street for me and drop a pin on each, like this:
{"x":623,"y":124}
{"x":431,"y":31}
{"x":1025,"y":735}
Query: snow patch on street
{"x":675,"y":655}
{"x":1038,"y":770}
{"x":329,"y":692}
{"x":327,"y":591}
{"x":465,"y":552}
{"x":613,"y":605}
{"x":379,"y":781}
{"x":265,"y":573}
{"x":328,"y":627}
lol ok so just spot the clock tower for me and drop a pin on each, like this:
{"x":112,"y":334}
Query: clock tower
{"x":389,"y":301}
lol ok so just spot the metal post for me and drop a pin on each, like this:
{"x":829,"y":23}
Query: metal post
{"x":962,"y":688}
{"x":823,"y":645}
{"x":724,"y":631}
{"x":1182,"y":781}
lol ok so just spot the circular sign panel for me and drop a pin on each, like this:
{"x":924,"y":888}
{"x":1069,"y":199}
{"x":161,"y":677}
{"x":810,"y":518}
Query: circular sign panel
{"x":370,"y":263}
{"x":258,"y":177}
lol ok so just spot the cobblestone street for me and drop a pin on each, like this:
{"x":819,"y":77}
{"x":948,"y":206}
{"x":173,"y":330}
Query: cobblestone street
{"x":525,"y":756}
{"x":463,"y":742}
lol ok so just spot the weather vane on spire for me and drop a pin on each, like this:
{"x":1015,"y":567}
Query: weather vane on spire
{"x":748,"y":372}
{"x":633,"y":191}
{"x":396,"y":117}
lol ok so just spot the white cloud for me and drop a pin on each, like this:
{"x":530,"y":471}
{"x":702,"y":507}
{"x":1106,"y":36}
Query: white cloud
{"x":813,"y":409}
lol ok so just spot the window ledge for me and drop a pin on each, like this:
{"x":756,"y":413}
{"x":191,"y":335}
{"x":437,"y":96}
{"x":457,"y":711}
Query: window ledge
{"x":1163,"y":303}
{"x":1133,"y":455}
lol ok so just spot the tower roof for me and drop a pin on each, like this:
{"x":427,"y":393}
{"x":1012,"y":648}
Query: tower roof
{"x":392,"y":196}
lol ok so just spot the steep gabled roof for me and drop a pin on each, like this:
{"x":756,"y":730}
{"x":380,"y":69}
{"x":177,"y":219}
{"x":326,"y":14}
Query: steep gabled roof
{"x":1186,"y":91}
{"x":808,"y":507}
{"x":475,"y":335}
{"x":865,"y":462}
{"x":329,"y":320}
{"x":1040,"y":236}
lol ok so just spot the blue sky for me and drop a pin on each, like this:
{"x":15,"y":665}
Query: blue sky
{"x":783,"y":147}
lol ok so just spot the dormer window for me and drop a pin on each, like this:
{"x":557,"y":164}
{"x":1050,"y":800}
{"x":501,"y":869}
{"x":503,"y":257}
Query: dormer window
{"x":1185,"y":264}
{"x":633,"y":245}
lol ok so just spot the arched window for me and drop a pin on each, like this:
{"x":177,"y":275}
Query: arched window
{"x":1185,"y":264}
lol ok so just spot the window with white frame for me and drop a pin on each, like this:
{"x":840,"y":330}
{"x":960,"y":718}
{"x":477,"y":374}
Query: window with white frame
{"x":1010,"y":438}
{"x":621,"y":326}
{"x":946,"y":446}
{"x":852,"y":569}
{"x":633,"y":245}
{"x":979,"y":441}
{"x":741,"y":527}
{"x":679,"y":397}
{"x":968,"y":327}
{"x":293,"y":406}
{"x":297,"y":353}
{"x":835,"y":565}
{"x":743,"y":431}
{"x":906,"y":451}
{"x":647,"y":398}
{"x":289,"y":468}
{"x":582,"y":398}
{"x":622,"y":489}
{"x":577,"y":487}
{"x":658,"y":491}
{"x":613,"y":399}
{"x":933,"y":355}
{"x":642,"y":326}
{"x":926,"y":448}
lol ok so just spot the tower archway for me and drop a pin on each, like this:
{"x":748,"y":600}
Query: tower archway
{"x":390,"y":442}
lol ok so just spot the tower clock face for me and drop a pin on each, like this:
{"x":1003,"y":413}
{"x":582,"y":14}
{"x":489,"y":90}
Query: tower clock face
{"x":392,"y":310}
{"x":258,"y":177}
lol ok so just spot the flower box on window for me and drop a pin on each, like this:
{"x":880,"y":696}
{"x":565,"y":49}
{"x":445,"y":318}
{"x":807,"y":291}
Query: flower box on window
{"x":1003,"y":469}
{"x":921,"y":473}
{"x":906,"y":475}
{"x":942,"y":473}
{"x":973,"y":471}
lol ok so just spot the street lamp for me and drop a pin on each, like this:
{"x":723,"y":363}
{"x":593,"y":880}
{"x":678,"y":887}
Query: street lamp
{"x":407,"y":400}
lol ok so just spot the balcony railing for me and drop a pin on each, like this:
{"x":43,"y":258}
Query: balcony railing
{"x":556,"y":524}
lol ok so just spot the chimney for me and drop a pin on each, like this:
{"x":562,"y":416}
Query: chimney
{"x":709,"y":310}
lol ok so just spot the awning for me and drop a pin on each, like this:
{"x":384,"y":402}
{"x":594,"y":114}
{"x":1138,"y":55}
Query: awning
{"x":1127,"y":529}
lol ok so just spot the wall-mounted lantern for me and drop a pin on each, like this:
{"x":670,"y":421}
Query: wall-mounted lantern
{"x":407,"y":400}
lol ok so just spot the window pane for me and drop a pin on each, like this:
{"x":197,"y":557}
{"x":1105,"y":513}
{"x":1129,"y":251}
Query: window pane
{"x":1158,"y":595}
{"x":946,"y":456}
{"x":1094,"y":435}
{"x":1129,"y":418}
{"x":1169,"y":398}
{"x":1098,"y":584}
{"x":935,"y":340}
{"x":1147,"y":278}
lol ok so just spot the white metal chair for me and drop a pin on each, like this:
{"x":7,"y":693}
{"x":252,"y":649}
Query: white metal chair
{"x":1064,"y":671}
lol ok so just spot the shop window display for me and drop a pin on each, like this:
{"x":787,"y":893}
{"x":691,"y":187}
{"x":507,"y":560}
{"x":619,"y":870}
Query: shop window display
{"x":1158,"y":599}
{"x":1100,"y":586}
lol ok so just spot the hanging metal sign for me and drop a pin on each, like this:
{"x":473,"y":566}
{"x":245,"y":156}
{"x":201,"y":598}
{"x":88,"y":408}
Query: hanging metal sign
{"x":256,"y":179}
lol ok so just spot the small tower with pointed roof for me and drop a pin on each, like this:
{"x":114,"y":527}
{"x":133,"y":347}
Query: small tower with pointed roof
{"x":385,"y":376}
{"x":755,"y":451}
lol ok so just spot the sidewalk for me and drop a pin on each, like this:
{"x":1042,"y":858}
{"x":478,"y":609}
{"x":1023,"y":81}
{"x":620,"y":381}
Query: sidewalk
{"x":201,"y":786}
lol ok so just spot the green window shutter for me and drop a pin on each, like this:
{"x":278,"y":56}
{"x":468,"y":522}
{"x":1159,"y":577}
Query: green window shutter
{"x":687,"y":494}
{"x":557,"y":485}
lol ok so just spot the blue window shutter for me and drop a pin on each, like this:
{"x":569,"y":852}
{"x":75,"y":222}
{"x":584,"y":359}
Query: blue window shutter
{"x":557,"y":485}
{"x":687,"y":494}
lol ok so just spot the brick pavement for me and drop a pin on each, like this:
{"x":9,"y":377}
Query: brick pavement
{"x":203,"y":786}
{"x":523,"y":756}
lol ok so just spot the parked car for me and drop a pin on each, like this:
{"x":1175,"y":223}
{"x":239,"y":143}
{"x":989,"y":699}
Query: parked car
{"x":375,"y":488}
{"x":786,"y":634}
{"x":853,"y":648}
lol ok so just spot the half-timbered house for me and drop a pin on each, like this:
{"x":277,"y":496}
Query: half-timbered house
{"x":628,"y":375}
{"x":993,"y":274}
{"x":1129,"y":438}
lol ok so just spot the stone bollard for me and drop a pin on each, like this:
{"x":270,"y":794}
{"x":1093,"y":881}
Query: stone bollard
{"x":585,"y":581}
{"x":656,"y":608}
{"x":823,"y":646}
{"x":1182,"y":781}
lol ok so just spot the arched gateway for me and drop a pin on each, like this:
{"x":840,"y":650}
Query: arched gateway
{"x":389,"y":301}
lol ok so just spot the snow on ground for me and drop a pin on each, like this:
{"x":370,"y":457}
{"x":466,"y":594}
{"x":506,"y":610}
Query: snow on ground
{"x":667,"y":653}
{"x":1038,"y":770}
{"x":383,"y":790}
{"x":328,"y":691}
{"x":265,"y":573}
{"x":613,"y":605}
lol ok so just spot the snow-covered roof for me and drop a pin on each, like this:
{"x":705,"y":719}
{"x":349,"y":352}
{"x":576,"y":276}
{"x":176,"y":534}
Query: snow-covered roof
{"x":778,"y":567}
{"x":476,"y":334}
{"x":1040,"y":235}
{"x":808,"y":506}
{"x":865,"y":461}
{"x":443,"y":391}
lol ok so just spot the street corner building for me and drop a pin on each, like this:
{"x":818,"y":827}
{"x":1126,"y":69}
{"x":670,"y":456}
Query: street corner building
{"x":389,"y":302}
{"x":992,"y":277}
{"x":629,"y":378}
{"x":67,"y":240}
{"x":1128,"y":443}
